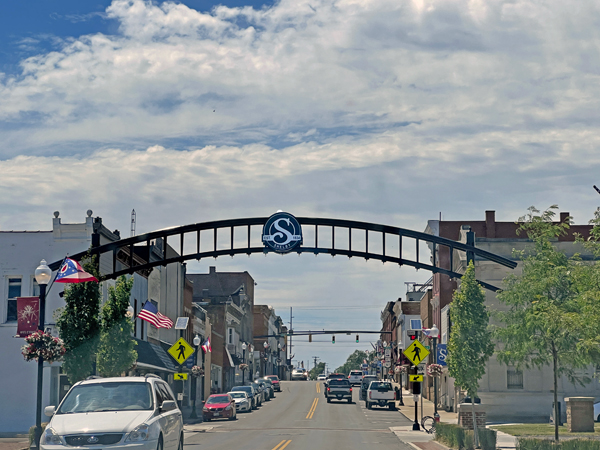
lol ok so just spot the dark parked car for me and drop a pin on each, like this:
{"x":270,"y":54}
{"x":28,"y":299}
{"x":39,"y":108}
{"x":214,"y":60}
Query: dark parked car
{"x":364,"y":385}
{"x":275,"y":380}
{"x":270,"y":386}
{"x":265,"y":389}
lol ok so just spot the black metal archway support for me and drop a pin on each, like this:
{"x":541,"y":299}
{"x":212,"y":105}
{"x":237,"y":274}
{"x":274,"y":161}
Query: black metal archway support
{"x":133,"y":254}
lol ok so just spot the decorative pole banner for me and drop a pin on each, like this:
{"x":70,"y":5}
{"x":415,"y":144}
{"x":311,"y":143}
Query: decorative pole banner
{"x":28,"y":315}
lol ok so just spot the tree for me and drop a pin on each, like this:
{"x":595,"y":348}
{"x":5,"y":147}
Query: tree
{"x":548,"y":321}
{"x":353,"y":362}
{"x":79,"y":325}
{"x":116,"y":352}
{"x":317,"y":370}
{"x":470,"y":344}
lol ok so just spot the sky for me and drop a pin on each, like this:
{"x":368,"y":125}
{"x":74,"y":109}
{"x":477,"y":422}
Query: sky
{"x":384,"y":111}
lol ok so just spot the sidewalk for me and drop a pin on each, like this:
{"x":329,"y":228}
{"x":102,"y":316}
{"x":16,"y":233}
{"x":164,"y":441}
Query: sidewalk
{"x":14,"y":441}
{"x":423,"y":441}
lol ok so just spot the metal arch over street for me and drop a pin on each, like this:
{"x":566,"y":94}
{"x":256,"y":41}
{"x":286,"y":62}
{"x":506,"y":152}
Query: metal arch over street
{"x":132,"y":254}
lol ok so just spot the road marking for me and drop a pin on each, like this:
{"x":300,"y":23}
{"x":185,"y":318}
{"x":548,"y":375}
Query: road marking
{"x":311,"y":412}
{"x":318,"y":388}
{"x":283,"y":444}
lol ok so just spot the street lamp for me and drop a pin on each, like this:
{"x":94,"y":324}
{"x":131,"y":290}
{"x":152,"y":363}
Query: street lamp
{"x":265,"y":345}
{"x":196,"y":343}
{"x":279,"y":374}
{"x":434,"y":332}
{"x":42,"y":276}
{"x":244,"y":347}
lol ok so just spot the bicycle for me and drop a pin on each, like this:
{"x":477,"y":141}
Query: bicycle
{"x":428,"y":424}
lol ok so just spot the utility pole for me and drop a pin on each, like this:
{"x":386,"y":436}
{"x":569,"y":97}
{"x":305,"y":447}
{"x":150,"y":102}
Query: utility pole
{"x":315,"y":358}
{"x":291,"y":332}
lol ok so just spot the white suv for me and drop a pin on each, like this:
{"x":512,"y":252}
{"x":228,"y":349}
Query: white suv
{"x":123,"y":413}
{"x":355,"y":377}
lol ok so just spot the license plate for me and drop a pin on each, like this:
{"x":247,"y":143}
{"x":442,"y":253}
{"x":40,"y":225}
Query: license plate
{"x":216,"y":414}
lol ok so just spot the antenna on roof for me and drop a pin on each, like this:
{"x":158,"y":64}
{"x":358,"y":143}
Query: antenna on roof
{"x":132,"y":222}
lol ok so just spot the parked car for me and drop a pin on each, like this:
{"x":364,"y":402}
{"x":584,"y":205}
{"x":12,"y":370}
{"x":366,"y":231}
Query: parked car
{"x":219,"y":406}
{"x":252,"y":394}
{"x":322,"y":377}
{"x":275,"y":381}
{"x":266,"y":390}
{"x":355,"y":377}
{"x":270,"y":386}
{"x":364,"y":385}
{"x":243,"y":403}
{"x":381,"y":393}
{"x":298,"y":374}
{"x":136,"y":412}
{"x":261,"y":392}
{"x":339,"y":389}
{"x":597,"y":412}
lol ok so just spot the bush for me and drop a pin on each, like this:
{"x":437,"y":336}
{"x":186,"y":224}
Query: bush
{"x":546,"y":444}
{"x":32,"y":432}
{"x":458,"y":438}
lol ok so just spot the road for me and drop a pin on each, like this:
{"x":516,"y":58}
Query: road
{"x":300,"y":418}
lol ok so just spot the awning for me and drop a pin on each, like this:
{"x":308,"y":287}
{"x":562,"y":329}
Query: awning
{"x":153,"y":357}
{"x":229,"y":356}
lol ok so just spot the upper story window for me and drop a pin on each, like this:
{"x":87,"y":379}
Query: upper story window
{"x":230,"y":336}
{"x":35,"y":292}
{"x":14,"y":291}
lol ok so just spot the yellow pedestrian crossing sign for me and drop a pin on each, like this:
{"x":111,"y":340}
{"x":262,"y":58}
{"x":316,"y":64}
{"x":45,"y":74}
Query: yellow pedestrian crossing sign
{"x":181,"y":350}
{"x":416,"y":353}
{"x":180,"y":376}
{"x":415,"y":378}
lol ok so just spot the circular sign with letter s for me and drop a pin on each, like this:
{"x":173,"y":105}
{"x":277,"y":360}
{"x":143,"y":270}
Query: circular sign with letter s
{"x":282,"y":233}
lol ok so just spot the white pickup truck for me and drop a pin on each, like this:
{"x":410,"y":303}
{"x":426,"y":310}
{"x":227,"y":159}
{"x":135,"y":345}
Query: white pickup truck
{"x":381,"y":393}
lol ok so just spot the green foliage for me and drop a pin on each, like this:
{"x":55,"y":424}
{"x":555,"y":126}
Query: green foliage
{"x":470,"y":344}
{"x":545,"y":444}
{"x":32,"y":432}
{"x":552,"y":318}
{"x":458,"y":438}
{"x":116,"y":353}
{"x":353,"y":362}
{"x":317,"y":370}
{"x":79,"y":325}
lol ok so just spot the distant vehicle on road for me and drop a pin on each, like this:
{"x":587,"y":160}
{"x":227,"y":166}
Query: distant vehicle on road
{"x":364,"y":385}
{"x":381,"y":393}
{"x":298,"y":374}
{"x":355,"y":377}
{"x":335,"y":376}
{"x":339,"y":389}
{"x":322,"y":377}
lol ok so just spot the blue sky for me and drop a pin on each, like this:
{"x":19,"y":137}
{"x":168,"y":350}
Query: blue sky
{"x":385,"y":111}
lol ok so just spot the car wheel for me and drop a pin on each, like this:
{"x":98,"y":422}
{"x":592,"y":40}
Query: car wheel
{"x":159,"y":446}
{"x":369,"y":405}
{"x":233,"y":417}
{"x":392,"y":407}
{"x":349,"y":400}
{"x":208,"y":419}
{"x":180,"y":446}
{"x":328,"y":400}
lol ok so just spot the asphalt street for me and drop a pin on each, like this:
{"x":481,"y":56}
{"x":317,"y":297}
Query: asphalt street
{"x":300,"y":418}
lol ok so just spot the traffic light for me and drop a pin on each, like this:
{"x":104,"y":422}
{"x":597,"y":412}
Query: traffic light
{"x":310,"y":338}
{"x":357,"y":338}
{"x":333,"y":339}
{"x":413,"y":337}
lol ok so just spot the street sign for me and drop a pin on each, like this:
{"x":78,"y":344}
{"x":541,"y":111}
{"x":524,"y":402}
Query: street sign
{"x":420,"y":370}
{"x":387,"y":364}
{"x":442,"y":354}
{"x":181,"y":350}
{"x":388,"y":353}
{"x":416,"y":352}
{"x":416,"y":378}
{"x":180,"y":376}
{"x":182,"y":323}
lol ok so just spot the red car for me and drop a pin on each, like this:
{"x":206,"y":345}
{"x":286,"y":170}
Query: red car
{"x":219,"y":406}
{"x":275,"y":381}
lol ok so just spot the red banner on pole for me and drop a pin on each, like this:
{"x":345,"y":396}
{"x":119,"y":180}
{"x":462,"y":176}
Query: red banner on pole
{"x":28,"y":314}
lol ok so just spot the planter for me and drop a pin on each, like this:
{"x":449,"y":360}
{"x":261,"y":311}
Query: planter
{"x":44,"y":345}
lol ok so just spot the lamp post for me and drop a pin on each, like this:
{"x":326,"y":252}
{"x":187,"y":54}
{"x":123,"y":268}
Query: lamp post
{"x":435,"y":333}
{"x":244,"y":346}
{"x":42,"y":276}
{"x":279,"y":360}
{"x":265,"y":345}
{"x":196,"y":343}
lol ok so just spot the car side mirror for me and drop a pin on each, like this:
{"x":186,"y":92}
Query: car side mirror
{"x":49,"y":410}
{"x":168,"y":405}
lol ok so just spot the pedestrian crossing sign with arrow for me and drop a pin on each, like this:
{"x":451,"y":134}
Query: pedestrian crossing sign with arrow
{"x":180,"y":376}
{"x":416,"y":353}
{"x":181,"y":350}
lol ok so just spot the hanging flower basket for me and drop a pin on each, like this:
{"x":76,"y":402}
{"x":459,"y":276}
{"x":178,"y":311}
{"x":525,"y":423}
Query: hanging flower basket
{"x":41,"y":344}
{"x":243,"y":366}
{"x":197,"y":371}
{"x":400,"y":369}
{"x":434,"y":370}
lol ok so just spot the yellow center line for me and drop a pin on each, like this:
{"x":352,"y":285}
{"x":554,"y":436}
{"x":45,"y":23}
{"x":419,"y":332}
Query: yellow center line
{"x":318,"y":388}
{"x":312,"y":409}
{"x":283,"y":444}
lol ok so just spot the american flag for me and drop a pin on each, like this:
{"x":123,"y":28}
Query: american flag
{"x":206,"y":346}
{"x":150,"y":313}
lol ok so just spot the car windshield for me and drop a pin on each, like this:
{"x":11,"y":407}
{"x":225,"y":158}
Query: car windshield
{"x":242,"y":388}
{"x":380,"y":386}
{"x":238,"y":395}
{"x":339,"y":383}
{"x":219,"y":399}
{"x":356,"y":373}
{"x":111,"y":396}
